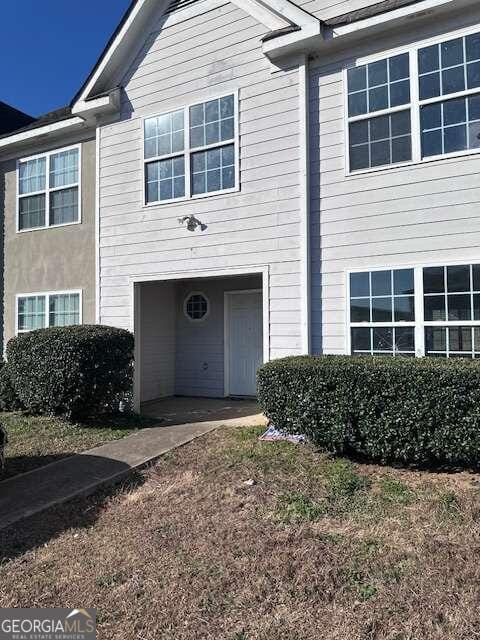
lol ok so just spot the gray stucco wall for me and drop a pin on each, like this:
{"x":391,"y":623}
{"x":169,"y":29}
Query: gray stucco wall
{"x":51,"y":259}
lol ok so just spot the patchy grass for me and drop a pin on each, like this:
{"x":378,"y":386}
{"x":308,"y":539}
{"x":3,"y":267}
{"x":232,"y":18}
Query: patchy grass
{"x":312,"y":548}
{"x":37,"y":441}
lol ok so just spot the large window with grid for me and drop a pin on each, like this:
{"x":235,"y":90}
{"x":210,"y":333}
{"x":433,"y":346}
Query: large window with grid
{"x":431,"y":310}
{"x":191,"y":152}
{"x":42,"y":310}
{"x":414,"y":106}
{"x":49,"y":190}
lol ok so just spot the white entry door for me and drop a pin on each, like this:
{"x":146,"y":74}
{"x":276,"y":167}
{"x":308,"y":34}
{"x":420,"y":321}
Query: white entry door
{"x":244,"y":328}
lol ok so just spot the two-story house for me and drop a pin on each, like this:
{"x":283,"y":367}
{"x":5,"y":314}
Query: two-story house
{"x":270,"y":178}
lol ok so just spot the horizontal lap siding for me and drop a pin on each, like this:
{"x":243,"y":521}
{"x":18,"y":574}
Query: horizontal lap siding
{"x":325,"y":9}
{"x":426,"y":213}
{"x":212,"y":53}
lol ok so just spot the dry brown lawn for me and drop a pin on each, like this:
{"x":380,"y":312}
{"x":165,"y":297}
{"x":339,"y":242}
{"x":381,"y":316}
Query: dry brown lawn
{"x":313,"y":549}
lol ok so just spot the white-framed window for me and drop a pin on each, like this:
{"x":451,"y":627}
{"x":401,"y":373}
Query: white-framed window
{"x":49,"y":189}
{"x":192,"y":152}
{"x":196,"y":306}
{"x":415,"y":105}
{"x":423,"y":310}
{"x":47,"y":309}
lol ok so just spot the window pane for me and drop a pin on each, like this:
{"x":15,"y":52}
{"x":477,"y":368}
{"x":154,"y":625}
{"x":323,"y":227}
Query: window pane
{"x":377,"y":73}
{"x":381,"y":283}
{"x":453,"y":80}
{"x":429,"y":86}
{"x":404,"y":309}
{"x":460,"y":339}
{"x":452,"y":52}
{"x":64,"y":310}
{"x":455,"y":139}
{"x":428,"y":59}
{"x":360,"y":310}
{"x":31,"y":212}
{"x":473,"y":75}
{"x":434,"y":280}
{"x":360,"y":284}
{"x":459,"y":307}
{"x":403,"y":281}
{"x":431,"y":116}
{"x":64,"y":206}
{"x":435,"y":339}
{"x":476,"y":277}
{"x":382,"y":309}
{"x":212,"y":122}
{"x":473,"y":47}
{"x":32,"y":176}
{"x":385,"y":139}
{"x":454,"y":111}
{"x":432,"y":143}
{"x":357,"y":103}
{"x":357,"y":79}
{"x":64,"y":168}
{"x":399,"y":93}
{"x":165,"y":179}
{"x":213,"y":170}
{"x":458,"y":278}
{"x":31,"y":313}
{"x":399,"y":67}
{"x":361,"y":339}
{"x":405,"y":339}
{"x":164,"y":134}
{"x":435,"y":308}
{"x":378,"y":98}
{"x":383,"y":339}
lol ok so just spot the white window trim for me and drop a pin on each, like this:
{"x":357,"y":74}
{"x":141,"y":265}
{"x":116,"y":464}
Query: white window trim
{"x":187,"y":298}
{"x":49,"y":189}
{"x":46,"y":295}
{"x":419,"y":322}
{"x":414,"y":104}
{"x":189,"y":151}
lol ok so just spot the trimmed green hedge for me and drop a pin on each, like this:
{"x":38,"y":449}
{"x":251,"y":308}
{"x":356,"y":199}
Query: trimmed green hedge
{"x":422,"y":411}
{"x":73,"y":372}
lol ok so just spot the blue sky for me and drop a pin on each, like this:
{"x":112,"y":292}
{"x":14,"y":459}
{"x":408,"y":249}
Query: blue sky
{"x":48,"y":47}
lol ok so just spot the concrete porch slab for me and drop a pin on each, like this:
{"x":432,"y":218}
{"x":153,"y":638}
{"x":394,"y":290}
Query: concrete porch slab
{"x":178,"y":410}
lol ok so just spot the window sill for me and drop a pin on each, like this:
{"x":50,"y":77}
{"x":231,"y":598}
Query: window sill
{"x":414,"y":163}
{"x":200,"y":196}
{"x":52,"y":226}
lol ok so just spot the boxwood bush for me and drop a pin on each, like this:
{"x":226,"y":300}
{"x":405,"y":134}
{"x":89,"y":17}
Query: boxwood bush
{"x":422,"y":411}
{"x":73,"y":371}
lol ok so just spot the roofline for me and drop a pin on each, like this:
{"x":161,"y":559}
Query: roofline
{"x":29,"y":134}
{"x":111,"y":40}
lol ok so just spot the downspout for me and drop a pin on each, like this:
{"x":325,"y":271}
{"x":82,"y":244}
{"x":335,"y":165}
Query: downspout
{"x":97,"y":225}
{"x":303,"y":71}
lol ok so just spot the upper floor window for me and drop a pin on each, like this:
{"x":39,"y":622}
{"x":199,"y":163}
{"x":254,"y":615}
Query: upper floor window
{"x":191,"y":152}
{"x":42,"y":310}
{"x":433,"y":90}
{"x":49,"y":190}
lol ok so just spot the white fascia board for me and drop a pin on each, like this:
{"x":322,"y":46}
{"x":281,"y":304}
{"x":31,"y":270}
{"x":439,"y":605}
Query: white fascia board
{"x":31,"y":134}
{"x":110,"y":102}
{"x":121,"y":41}
{"x":385,"y":18}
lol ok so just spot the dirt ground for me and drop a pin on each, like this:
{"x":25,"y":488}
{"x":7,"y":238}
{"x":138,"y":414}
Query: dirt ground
{"x":230,"y":538}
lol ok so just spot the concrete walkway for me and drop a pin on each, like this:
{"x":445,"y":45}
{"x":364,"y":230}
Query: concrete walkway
{"x":82,"y":474}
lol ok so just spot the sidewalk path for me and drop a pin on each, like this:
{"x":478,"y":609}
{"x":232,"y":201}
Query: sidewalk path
{"x":82,"y":474}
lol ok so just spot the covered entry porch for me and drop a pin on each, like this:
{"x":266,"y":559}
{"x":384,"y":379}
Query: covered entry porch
{"x":200,"y":336}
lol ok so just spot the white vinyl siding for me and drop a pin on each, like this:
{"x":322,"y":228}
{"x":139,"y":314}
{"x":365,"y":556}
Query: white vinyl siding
{"x":212,"y":54}
{"x":397,"y":217}
{"x":52,"y":309}
{"x":49,"y":190}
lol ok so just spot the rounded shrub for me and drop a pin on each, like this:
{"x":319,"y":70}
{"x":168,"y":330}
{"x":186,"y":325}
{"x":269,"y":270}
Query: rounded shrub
{"x":73,"y":372}
{"x":419,"y":410}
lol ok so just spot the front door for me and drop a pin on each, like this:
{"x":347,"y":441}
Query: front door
{"x":244,"y":342}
